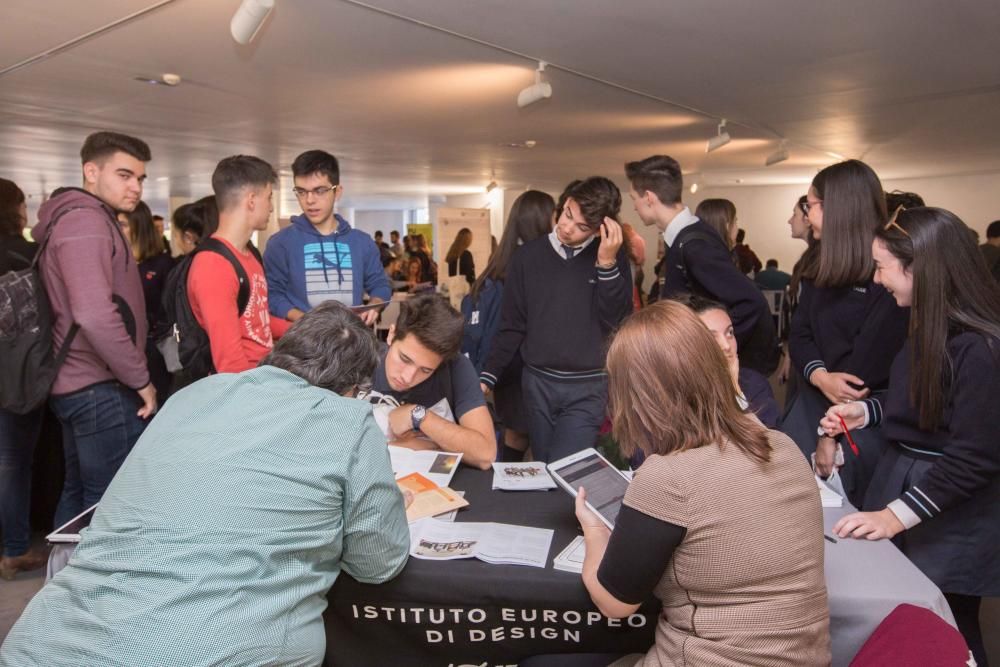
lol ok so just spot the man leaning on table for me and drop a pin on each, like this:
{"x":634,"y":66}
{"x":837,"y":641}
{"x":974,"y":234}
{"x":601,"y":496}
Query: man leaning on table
{"x":423,"y":370}
{"x":222,"y":532}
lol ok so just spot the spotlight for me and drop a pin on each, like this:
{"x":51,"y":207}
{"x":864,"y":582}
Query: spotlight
{"x":491,"y":186}
{"x":249,"y":18}
{"x":720,"y":140}
{"x":538,"y":91}
{"x":779,"y":155}
{"x":694,"y":188}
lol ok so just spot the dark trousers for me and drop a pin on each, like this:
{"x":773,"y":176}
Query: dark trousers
{"x":965,"y":609}
{"x":564,"y":416}
{"x":18,"y":435}
{"x":100,"y":426}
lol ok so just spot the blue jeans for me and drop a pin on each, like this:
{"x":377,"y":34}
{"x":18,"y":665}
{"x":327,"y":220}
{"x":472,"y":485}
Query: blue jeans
{"x":18,"y":436}
{"x":100,"y":426}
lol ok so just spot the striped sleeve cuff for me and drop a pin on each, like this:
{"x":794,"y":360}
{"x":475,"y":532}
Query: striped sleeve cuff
{"x":488,"y":379}
{"x":873,"y":412}
{"x":906,"y":516}
{"x":812,"y":367}
{"x":920,"y":503}
{"x":608,"y":274}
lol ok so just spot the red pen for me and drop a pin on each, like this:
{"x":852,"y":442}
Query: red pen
{"x":850,"y":440}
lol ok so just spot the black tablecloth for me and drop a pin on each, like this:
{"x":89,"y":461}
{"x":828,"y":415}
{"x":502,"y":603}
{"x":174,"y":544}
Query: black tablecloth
{"x":469,"y":612}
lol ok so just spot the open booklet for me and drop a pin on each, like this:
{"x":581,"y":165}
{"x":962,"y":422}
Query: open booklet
{"x":495,"y":543}
{"x":439,"y":467}
{"x":570,"y":559}
{"x":429,"y":499}
{"x":521,"y":476}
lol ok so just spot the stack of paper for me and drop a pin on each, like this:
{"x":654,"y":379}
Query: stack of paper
{"x":570,"y":559}
{"x":531,"y":476}
{"x":829,"y":497}
{"x":429,"y":499}
{"x":439,"y":467}
{"x":495,"y":543}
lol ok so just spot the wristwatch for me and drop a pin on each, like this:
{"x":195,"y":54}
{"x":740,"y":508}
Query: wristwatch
{"x":417,"y":416}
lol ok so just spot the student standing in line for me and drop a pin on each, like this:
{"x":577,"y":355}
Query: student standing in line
{"x":804,"y":267}
{"x":243,"y":188}
{"x":564,"y":295}
{"x":698,"y":259}
{"x":459,"y":258}
{"x":847,"y":328}
{"x":320,"y":257}
{"x":936,"y":489}
{"x":530,"y":218}
{"x":396,"y":248}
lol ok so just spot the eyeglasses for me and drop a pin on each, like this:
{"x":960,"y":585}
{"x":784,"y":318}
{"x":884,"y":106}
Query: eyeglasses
{"x":808,"y":205}
{"x":321,"y":191}
{"x":895,"y":225}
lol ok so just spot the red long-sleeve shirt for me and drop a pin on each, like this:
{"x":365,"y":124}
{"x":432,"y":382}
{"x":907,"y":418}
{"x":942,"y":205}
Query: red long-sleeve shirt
{"x":238,"y":341}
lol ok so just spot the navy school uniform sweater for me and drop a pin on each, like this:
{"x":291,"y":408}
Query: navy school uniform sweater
{"x":559,"y":312}
{"x":966,"y":436}
{"x":855,"y":329}
{"x":705,"y":267}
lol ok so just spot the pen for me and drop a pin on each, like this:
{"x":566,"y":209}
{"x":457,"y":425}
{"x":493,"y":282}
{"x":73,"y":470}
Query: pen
{"x":847,"y":434}
{"x":828,"y":538}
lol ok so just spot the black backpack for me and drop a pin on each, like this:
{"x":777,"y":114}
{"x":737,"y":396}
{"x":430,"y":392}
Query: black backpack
{"x":28,"y":366}
{"x":186,"y":347}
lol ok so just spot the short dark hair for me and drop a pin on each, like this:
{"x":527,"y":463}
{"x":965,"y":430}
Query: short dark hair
{"x":99,"y":146}
{"x":699,"y":304}
{"x":771,"y":262}
{"x":993,"y":231}
{"x":897,"y":198}
{"x":317,"y":162}
{"x":11,"y":198}
{"x":378,"y":233}
{"x":394,"y":233}
{"x":597,"y":198}
{"x":328,"y":347}
{"x":237,"y":172}
{"x":157,"y":217}
{"x":659,"y":174}
{"x":433,"y":321}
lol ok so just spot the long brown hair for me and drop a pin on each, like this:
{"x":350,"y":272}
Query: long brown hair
{"x":146,"y":241}
{"x":808,"y":263}
{"x":853,"y":209}
{"x":720,"y":215}
{"x":952,"y":290}
{"x":530,"y":217}
{"x":669,"y":387}
{"x":461,"y":243}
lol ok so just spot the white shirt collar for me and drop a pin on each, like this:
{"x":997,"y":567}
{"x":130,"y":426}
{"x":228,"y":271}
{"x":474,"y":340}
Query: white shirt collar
{"x":558,"y":246}
{"x":683,"y":219}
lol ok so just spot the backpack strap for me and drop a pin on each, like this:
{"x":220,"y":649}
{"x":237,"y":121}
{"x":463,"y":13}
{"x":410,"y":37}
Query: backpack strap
{"x":219,"y":248}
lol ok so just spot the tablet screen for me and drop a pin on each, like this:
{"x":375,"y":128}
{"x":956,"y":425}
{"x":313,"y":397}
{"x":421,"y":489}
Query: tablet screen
{"x":604,"y":484}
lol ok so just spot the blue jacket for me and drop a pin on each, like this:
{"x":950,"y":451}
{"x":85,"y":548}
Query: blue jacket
{"x":305,"y":268}
{"x":481,"y":322}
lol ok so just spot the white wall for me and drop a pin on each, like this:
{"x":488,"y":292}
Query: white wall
{"x":763,"y":211}
{"x":386,"y":221}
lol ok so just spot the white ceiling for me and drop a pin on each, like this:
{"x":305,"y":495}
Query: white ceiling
{"x":912,"y":86}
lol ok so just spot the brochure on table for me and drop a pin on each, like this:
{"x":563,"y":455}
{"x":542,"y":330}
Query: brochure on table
{"x":829,"y":497}
{"x":518,"y":476}
{"x":495,"y":543}
{"x":429,"y":499}
{"x":437,"y":466}
{"x":570,"y":559}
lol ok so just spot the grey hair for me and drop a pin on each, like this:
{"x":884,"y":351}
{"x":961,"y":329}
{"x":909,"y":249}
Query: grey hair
{"x":330,"y":347}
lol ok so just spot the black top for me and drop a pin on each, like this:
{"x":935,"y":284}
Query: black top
{"x":967,"y":434}
{"x":559,"y":312}
{"x":758,"y":393}
{"x":699,"y":262}
{"x":454,"y":381}
{"x":464,"y":266}
{"x":638,"y":552}
{"x":16,"y":253}
{"x":154,"y":272}
{"x":855,"y":330}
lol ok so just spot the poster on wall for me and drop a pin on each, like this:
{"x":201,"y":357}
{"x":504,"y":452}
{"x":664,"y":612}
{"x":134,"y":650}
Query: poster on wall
{"x":452,"y":220}
{"x":425,"y":230}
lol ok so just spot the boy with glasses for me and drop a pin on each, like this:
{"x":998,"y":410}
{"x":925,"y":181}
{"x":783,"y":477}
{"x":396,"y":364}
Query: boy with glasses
{"x":320,"y":257}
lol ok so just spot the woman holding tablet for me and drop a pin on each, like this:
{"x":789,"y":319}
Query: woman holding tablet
{"x":722,"y":522}
{"x":936,"y":489}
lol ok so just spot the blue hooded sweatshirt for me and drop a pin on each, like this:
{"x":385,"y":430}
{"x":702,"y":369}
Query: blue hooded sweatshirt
{"x":305,"y":268}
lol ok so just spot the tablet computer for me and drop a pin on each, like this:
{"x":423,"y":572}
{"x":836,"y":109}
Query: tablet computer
{"x":69,"y":532}
{"x":605,"y":484}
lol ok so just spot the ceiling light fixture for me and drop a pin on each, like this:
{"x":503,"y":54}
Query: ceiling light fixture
{"x":536,"y":92}
{"x":694,"y":188}
{"x":249,"y":18}
{"x":779,"y":155}
{"x":719,"y":140}
{"x":491,"y":186}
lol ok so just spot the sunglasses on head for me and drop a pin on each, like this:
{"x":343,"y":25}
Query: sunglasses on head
{"x":895,"y":225}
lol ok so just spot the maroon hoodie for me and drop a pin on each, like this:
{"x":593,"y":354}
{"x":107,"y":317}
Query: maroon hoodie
{"x":88,"y":260}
